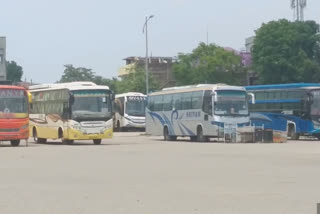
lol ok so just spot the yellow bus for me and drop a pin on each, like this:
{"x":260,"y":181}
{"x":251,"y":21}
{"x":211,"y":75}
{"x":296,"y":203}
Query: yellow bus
{"x":71,"y":111}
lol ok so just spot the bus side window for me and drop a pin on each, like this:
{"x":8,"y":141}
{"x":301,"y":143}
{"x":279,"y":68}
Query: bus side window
{"x":176,"y":101}
{"x":158,"y":103}
{"x":196,"y":100}
{"x":167,"y":102}
{"x":186,"y":100}
{"x":150,"y":101}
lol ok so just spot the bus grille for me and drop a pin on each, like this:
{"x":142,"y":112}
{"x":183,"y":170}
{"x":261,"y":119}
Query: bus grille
{"x":9,"y":130}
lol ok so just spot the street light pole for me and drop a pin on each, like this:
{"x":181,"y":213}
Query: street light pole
{"x":145,"y":28}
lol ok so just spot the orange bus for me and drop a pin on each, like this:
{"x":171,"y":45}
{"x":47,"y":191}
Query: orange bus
{"x":14,"y":116}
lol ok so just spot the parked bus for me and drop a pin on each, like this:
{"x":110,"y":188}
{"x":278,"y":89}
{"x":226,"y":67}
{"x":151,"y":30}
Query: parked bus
{"x":14,"y":116}
{"x":297,"y":103}
{"x":71,"y":111}
{"x":199,"y":112}
{"x":129,"y":111}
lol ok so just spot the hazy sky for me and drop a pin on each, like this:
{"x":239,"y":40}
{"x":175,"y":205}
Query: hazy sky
{"x":44,"y":35}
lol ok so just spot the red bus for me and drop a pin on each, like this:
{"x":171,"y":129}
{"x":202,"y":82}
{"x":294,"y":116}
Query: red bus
{"x":14,"y":114}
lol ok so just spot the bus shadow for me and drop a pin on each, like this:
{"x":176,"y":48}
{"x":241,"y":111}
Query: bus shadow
{"x":189,"y":141}
{"x":53,"y":143}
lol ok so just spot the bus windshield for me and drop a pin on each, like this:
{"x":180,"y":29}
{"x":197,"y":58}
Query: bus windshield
{"x":13,"y":101}
{"x":231,"y":102}
{"x":91,"y":104}
{"x":135,"y":106}
{"x":315,"y":106}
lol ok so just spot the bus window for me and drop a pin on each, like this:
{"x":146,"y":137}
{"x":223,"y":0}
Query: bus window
{"x":158,"y":103}
{"x":176,"y":101}
{"x":186,"y":101}
{"x":167,"y":102}
{"x":196,"y":99}
{"x":151,"y":103}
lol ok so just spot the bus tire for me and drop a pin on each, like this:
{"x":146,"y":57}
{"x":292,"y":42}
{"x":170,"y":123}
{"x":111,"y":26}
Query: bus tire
{"x":292,"y":133}
{"x":166,"y":136}
{"x":67,"y":141}
{"x":97,"y":141}
{"x":36,"y":139}
{"x":193,"y":138}
{"x":200,"y":137}
{"x":15,"y":142}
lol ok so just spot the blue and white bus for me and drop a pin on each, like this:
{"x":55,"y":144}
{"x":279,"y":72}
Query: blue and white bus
{"x":298,"y":104}
{"x":199,"y":111}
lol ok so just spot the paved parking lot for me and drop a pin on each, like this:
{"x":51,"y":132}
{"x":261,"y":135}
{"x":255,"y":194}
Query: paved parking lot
{"x":133,"y":173}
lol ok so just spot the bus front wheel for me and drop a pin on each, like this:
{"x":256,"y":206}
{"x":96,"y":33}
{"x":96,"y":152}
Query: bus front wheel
{"x":97,"y":141}
{"x":67,"y":142}
{"x":292,"y":133}
{"x":166,"y":135}
{"x":200,"y":137}
{"x":15,"y":142}
{"x":36,"y":139}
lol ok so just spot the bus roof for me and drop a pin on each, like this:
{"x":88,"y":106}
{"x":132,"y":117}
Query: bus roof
{"x":130,"y":94}
{"x":12,"y":87}
{"x":199,"y":87}
{"x":283,"y":86}
{"x":72,"y":86}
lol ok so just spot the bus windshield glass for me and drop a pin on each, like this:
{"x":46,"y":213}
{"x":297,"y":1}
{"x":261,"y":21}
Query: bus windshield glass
{"x":315,"y":106}
{"x":91,"y":104}
{"x":13,"y":101}
{"x":231,"y":103}
{"x":135,"y":106}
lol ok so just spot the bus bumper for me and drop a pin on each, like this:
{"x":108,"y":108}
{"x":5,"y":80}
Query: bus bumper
{"x":74,"y":134}
{"x":21,"y":134}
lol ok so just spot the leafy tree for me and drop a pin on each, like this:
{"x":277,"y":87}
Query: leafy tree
{"x":112,"y":83}
{"x":209,"y":64}
{"x":287,"y":52}
{"x":14,"y":71}
{"x":135,"y":81}
{"x":72,"y":74}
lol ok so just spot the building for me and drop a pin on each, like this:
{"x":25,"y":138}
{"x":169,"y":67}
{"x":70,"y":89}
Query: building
{"x":3,"y":71}
{"x":159,"y":67}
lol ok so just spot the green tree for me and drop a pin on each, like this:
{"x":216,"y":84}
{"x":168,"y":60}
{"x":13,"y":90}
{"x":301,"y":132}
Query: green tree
{"x":287,"y":52}
{"x":135,"y":81}
{"x":72,"y":74}
{"x":112,"y":83}
{"x":209,"y":64}
{"x":14,"y":71}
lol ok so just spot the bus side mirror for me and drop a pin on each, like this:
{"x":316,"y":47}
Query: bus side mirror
{"x":29,"y":97}
{"x":215,"y":96}
{"x":253,"y":99}
{"x":71,"y":99}
{"x":310,"y":99}
{"x":113,"y":97}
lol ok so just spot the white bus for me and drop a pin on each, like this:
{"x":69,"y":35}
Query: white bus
{"x":71,"y":111}
{"x":199,"y":112}
{"x":129,"y":111}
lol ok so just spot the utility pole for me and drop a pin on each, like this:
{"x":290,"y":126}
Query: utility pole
{"x":145,"y":29}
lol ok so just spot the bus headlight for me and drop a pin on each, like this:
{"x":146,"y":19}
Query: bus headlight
{"x":316,"y":126}
{"x":24,"y":126}
{"x":76,"y":126}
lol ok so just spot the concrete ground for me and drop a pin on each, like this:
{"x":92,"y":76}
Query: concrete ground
{"x":132,"y":173}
